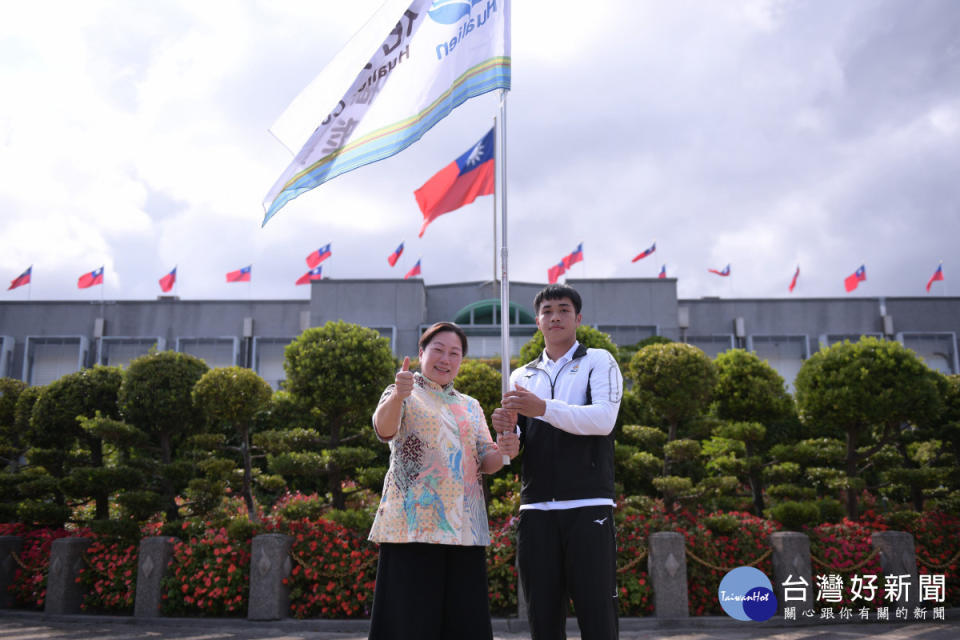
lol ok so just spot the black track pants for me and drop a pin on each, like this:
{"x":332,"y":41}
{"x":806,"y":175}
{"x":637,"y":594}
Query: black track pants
{"x":569,"y":552}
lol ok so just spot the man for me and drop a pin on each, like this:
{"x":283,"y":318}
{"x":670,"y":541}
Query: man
{"x":565,"y":404}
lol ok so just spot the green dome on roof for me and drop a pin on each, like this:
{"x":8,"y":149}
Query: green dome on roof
{"x":488,"y":312}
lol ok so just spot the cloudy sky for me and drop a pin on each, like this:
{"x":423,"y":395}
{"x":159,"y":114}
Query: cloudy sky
{"x":764,"y":134}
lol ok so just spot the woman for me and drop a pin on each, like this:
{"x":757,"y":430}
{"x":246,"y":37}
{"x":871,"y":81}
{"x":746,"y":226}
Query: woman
{"x":432,"y":523}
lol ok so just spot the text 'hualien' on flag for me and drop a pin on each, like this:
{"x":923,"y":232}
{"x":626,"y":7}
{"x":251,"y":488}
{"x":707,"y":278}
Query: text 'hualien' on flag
{"x":428,"y":58}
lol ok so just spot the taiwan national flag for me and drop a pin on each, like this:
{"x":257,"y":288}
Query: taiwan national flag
{"x":793,"y":283}
{"x":415,"y":271}
{"x":663,"y":272}
{"x":646,"y":252}
{"x":854,"y":279}
{"x":90,"y":279}
{"x":395,"y":255}
{"x":554,"y":272}
{"x":240,"y":275}
{"x":167,"y":281}
{"x":723,"y":272}
{"x":318,"y":256}
{"x":575,"y":257}
{"x":314,"y":274}
{"x":937,"y":275}
{"x":459,"y":183}
{"x":24,"y":278}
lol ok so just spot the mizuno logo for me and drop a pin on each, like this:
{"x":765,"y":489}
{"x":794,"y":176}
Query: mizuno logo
{"x":600,"y":521}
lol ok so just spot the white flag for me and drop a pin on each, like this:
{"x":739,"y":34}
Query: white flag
{"x":436,"y":56}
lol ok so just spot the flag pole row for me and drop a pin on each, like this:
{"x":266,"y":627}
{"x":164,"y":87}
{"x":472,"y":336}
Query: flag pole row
{"x":315,"y":271}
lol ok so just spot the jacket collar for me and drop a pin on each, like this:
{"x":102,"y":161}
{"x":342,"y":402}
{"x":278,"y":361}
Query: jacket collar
{"x":580,"y":352}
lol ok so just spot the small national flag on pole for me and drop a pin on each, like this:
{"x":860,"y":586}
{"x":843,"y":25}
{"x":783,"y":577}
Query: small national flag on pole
{"x":314,"y":274}
{"x":663,"y":272}
{"x":240,"y":275}
{"x":646,"y":252}
{"x":459,"y":183}
{"x":723,"y":272}
{"x":318,"y":256}
{"x":24,"y":278}
{"x":793,"y":282}
{"x":415,"y":271}
{"x":937,"y":275}
{"x":167,"y":281}
{"x":854,"y":279}
{"x":90,"y":279}
{"x":419,"y":60}
{"x":575,"y":256}
{"x":393,"y":257}
{"x":554,"y":272}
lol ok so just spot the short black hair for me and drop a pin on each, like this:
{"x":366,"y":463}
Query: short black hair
{"x":440,"y":327}
{"x":558,"y":292}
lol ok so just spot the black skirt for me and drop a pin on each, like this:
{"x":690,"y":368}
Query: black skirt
{"x":431,"y":592}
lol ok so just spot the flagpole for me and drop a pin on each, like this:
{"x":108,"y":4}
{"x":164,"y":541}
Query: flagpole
{"x":496,"y":195}
{"x":500,"y":136}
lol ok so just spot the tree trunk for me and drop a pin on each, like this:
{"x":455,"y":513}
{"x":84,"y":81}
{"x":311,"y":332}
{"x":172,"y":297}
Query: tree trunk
{"x":100,"y":495}
{"x":852,"y":509}
{"x":756,"y":483}
{"x":166,"y":457}
{"x":335,"y":475}
{"x":248,"y":474}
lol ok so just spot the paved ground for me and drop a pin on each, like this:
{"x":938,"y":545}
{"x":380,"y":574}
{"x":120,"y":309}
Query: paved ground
{"x":18,"y":625}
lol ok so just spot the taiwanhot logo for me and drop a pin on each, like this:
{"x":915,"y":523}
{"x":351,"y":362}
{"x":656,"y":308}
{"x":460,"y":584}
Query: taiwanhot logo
{"x":746,"y":594}
{"x":451,"y":11}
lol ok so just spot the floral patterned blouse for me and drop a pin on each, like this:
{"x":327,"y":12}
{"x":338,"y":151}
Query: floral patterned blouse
{"x":432,"y":491}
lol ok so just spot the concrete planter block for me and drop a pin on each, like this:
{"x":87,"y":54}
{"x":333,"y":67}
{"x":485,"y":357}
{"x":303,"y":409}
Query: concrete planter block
{"x":898,"y":557}
{"x":270,"y":563}
{"x":8,"y":567}
{"x":64,"y":595}
{"x":792,"y":565}
{"x":152,"y":562}
{"x":667,"y":566}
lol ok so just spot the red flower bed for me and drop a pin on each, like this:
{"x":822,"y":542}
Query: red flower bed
{"x":845,"y":548}
{"x":110,"y":577}
{"x":716,"y":554}
{"x":501,"y":567}
{"x":29,"y":586}
{"x":334,"y":570}
{"x":209,"y":575}
{"x":937,"y":544}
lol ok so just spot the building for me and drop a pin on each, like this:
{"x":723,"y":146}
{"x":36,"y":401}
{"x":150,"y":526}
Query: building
{"x":41,"y":341}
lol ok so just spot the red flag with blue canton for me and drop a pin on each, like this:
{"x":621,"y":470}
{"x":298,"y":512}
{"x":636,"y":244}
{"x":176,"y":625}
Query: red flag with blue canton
{"x":90,"y":279}
{"x":724,"y":272}
{"x":415,"y":271}
{"x":937,"y":275}
{"x":459,"y":183}
{"x":395,"y":255}
{"x":663,"y":272}
{"x":646,"y":252}
{"x":318,"y":256}
{"x":167,"y":281}
{"x":575,"y":257}
{"x":24,"y":278}
{"x":314,"y":274}
{"x":554,"y":272}
{"x":240,"y":275}
{"x":796,"y":274}
{"x":854,"y":279}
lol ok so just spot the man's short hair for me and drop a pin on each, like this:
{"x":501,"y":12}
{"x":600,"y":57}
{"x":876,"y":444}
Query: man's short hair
{"x":427,"y":336}
{"x":558,"y":292}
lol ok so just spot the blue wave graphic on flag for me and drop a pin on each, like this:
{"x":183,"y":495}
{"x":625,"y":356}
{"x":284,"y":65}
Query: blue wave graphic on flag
{"x":451,"y":11}
{"x":495,"y":74}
